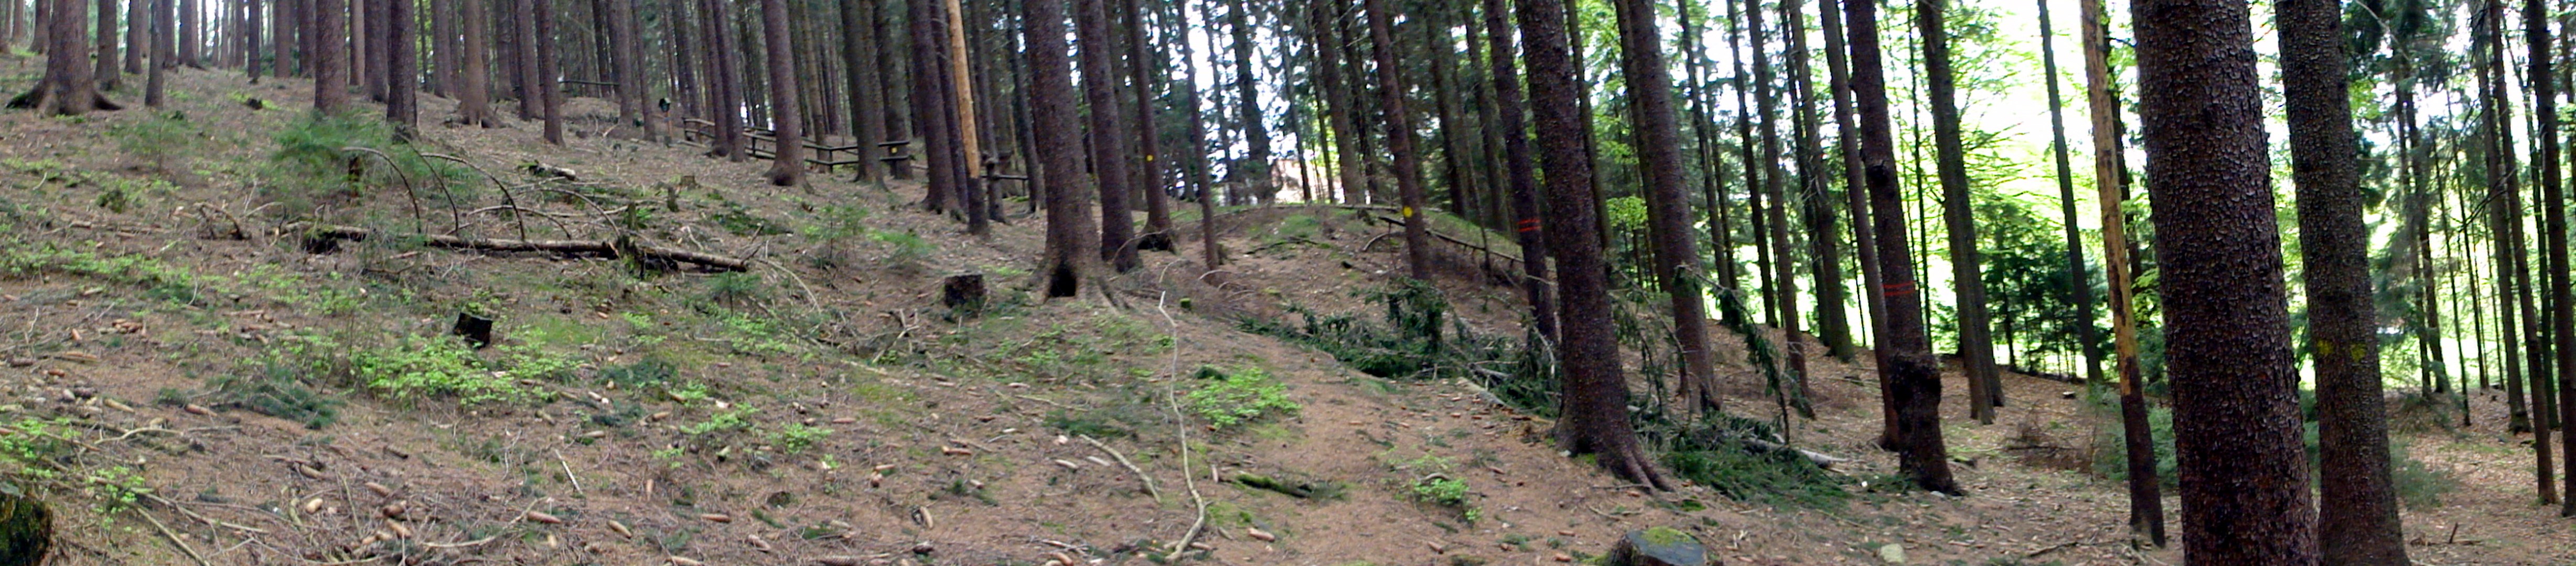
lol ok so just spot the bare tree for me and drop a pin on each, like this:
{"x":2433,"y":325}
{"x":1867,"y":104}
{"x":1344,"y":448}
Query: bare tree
{"x":1911,"y":376}
{"x":1058,"y":143}
{"x":1399,"y":140}
{"x":786,"y":116}
{"x":1658,"y":141}
{"x":1108,"y":140}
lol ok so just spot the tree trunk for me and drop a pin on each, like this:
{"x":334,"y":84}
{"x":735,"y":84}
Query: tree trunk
{"x":532,"y":99}
{"x":1399,"y":140}
{"x":629,"y":50}
{"x":251,"y":39}
{"x":1197,"y":153}
{"x":2146,"y":502}
{"x":1059,"y":145}
{"x":858,"y":53}
{"x":547,"y":77}
{"x":1780,"y":295}
{"x":2079,"y":279}
{"x":402,"y":91}
{"x":1108,"y":140}
{"x":1658,"y":142}
{"x":1149,"y":171}
{"x":191,"y":34}
{"x":1910,"y":374}
{"x":474,"y":96}
{"x":1856,"y":203}
{"x":2553,"y":204}
{"x":2236,"y":411}
{"x":155,"y":81}
{"x":138,"y":34}
{"x":1526,"y":228}
{"x":786,"y":116}
{"x":105,"y":70}
{"x":930,"y":110}
{"x":1252,"y":174}
{"x":1976,"y":342}
{"x":1339,"y":103}
{"x":1595,"y":395}
{"x":2357,"y":512}
{"x":724,"y":79}
{"x":1825,"y":257}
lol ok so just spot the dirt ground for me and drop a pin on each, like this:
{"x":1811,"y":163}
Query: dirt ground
{"x":952,"y":439}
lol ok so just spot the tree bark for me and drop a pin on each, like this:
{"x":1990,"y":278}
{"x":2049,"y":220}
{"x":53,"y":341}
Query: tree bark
{"x":2079,"y":279}
{"x":858,"y":53}
{"x":1526,"y":228}
{"x":474,"y":96}
{"x":2357,"y":513}
{"x":1976,"y":335}
{"x":724,"y":79}
{"x":1595,"y":395}
{"x":1252,"y":173}
{"x":2146,"y":501}
{"x":1149,"y":171}
{"x":532,"y":99}
{"x":2553,"y":206}
{"x":1658,"y":142}
{"x":106,"y":67}
{"x":1058,"y":142}
{"x":1825,"y":257}
{"x":2236,"y":411}
{"x":1911,"y":375}
{"x":1856,"y":202}
{"x":1339,"y":104}
{"x":547,"y":77}
{"x":1399,"y":140}
{"x":402,"y":91}
{"x":1109,"y":154}
{"x":930,"y":110}
{"x":786,"y":115}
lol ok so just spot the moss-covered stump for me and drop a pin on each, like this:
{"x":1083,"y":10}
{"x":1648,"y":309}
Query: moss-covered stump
{"x":1658,"y":546}
{"x":26,"y":530}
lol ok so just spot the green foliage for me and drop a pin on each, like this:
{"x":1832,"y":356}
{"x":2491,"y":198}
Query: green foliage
{"x":741,"y":221}
{"x":32,"y":445}
{"x":157,"y":278}
{"x":1410,"y":342}
{"x":729,"y":420}
{"x":1717,"y":454}
{"x":275,"y":390}
{"x":115,"y":489}
{"x":415,"y":369}
{"x":1227,"y":400}
{"x":1440,"y":490}
{"x":313,"y":166}
{"x":735,"y":288}
{"x":158,"y":138}
{"x":796,"y":437}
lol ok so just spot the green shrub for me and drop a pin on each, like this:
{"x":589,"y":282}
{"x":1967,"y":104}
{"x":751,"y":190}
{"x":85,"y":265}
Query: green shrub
{"x":1715,"y":453}
{"x":415,"y":369}
{"x":2110,"y":444}
{"x":275,"y":391}
{"x":157,"y":139}
{"x":1227,"y":400}
{"x":313,"y":166}
{"x":796,"y":437}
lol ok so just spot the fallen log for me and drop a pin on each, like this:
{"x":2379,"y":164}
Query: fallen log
{"x":605,"y":248}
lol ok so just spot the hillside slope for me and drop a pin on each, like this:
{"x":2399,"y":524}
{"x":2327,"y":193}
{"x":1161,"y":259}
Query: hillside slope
{"x":194,"y":377}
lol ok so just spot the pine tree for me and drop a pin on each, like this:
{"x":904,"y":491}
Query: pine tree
{"x":1109,"y":156}
{"x":1911,"y":376}
{"x":2236,"y":411}
{"x":1399,"y":140}
{"x":1976,"y":342}
{"x":1658,"y":140}
{"x":786,"y":114}
{"x":1059,"y":146}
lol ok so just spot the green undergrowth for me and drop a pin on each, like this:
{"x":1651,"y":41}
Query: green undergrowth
{"x":1416,"y":339}
{"x":1228,"y":399}
{"x":313,"y":167}
{"x":1716,"y":454}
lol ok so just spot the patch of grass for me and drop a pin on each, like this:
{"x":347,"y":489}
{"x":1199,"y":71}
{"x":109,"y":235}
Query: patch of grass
{"x":312,"y":166}
{"x":736,"y":289}
{"x":1416,"y":339}
{"x":726,"y":421}
{"x":157,"y":278}
{"x":1227,"y":400}
{"x":415,"y":369}
{"x":31,"y":446}
{"x":741,"y":221}
{"x":1447,"y":492}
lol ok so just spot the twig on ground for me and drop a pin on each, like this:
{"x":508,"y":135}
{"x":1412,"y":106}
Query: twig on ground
{"x":1181,"y":425}
{"x":1131,"y":466}
{"x":174,"y":537}
{"x":567,"y":468}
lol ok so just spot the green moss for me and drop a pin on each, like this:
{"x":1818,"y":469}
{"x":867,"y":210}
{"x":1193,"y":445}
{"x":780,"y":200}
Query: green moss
{"x":1660,"y":536}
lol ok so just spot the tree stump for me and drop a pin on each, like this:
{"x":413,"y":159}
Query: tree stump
{"x":26,"y":530}
{"x":963,"y":292}
{"x":477,"y":329}
{"x":1659,"y":546}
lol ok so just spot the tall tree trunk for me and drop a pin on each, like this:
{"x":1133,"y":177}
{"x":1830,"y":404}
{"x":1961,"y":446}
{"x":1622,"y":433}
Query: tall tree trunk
{"x":330,"y":55}
{"x":251,"y":39}
{"x":1108,"y":140}
{"x":929,"y":105}
{"x":1339,"y":103}
{"x":1911,"y":374}
{"x":2079,"y":279}
{"x":1825,"y":256}
{"x":548,"y":79}
{"x":1658,"y":142}
{"x":1856,"y":203}
{"x":402,"y":92}
{"x":1197,"y":153}
{"x":858,"y":53}
{"x":786,"y":116}
{"x":629,"y":50}
{"x":1252,"y":174}
{"x":444,"y":51}
{"x":1526,"y":228}
{"x":1976,"y":342}
{"x":2235,"y":387}
{"x":106,"y":67}
{"x":1780,"y":294}
{"x":1595,"y":395}
{"x":532,"y":99}
{"x":138,"y":34}
{"x":724,"y":78}
{"x":2357,"y":512}
{"x":1399,"y":140}
{"x":2553,"y":206}
{"x":191,"y":34}
{"x":1444,"y":94}
{"x":1149,"y":171}
{"x":474,"y":96}
{"x":1058,"y":141}
{"x":2146,"y":502}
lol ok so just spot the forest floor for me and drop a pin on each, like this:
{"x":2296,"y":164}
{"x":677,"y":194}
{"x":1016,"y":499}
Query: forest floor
{"x":187,"y":382}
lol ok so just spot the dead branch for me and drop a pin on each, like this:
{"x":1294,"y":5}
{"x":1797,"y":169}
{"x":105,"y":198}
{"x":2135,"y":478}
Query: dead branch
{"x":1131,"y":466}
{"x":569,"y":247}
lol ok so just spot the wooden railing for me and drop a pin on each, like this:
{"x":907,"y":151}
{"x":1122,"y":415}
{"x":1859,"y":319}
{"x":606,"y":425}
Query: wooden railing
{"x":763,"y":143}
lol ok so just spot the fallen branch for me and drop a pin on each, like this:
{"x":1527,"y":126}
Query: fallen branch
{"x":1131,"y":466}
{"x":174,"y":537}
{"x":607,"y":248}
